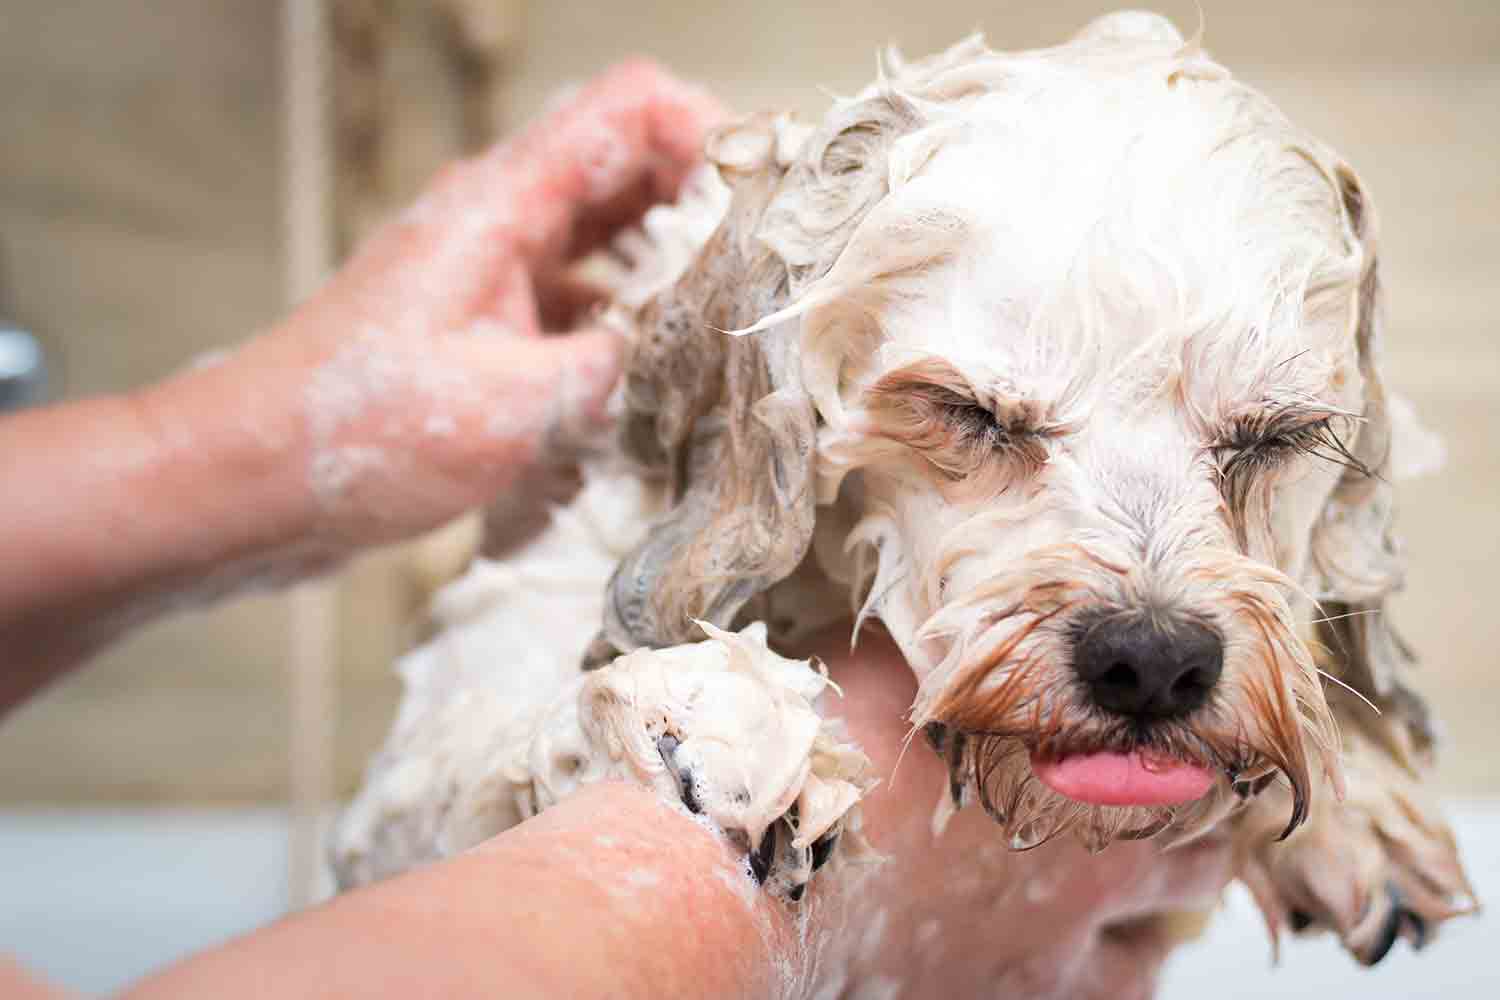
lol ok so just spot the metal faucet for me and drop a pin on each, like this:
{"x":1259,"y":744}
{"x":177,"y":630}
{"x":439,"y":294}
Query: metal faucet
{"x":23,"y":368}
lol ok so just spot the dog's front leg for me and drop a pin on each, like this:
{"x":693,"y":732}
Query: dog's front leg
{"x":1378,"y":866}
{"x":728,"y":729}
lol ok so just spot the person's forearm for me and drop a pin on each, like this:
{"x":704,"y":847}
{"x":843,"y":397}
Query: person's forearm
{"x":119,"y":507}
{"x":610,"y":893}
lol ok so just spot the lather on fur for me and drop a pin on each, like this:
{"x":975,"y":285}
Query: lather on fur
{"x":1014,"y":350}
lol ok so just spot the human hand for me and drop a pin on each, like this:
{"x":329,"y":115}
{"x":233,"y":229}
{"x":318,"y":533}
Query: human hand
{"x":420,"y":382}
{"x":960,"y":914}
{"x":417,"y":385}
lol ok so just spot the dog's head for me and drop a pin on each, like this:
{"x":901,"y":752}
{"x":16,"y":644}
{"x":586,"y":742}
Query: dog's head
{"x":1077,"y":349}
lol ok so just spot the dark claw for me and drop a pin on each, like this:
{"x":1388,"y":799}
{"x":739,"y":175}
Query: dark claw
{"x":937,"y":735}
{"x":957,"y":778}
{"x":689,"y":796}
{"x":1389,"y":931}
{"x":1387,"y":939}
{"x":761,"y":857}
{"x":1409,"y":923}
{"x":798,"y":864}
{"x":822,"y":849}
{"x":1410,"y":920}
{"x":1300,"y":920}
{"x":667,"y":746}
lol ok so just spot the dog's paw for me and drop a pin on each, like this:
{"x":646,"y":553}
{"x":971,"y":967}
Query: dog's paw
{"x":727,"y":728}
{"x":1378,"y":867}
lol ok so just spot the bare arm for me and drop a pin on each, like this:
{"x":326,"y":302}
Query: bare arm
{"x":609,"y":894}
{"x":116,"y":508}
{"x":414,"y":386}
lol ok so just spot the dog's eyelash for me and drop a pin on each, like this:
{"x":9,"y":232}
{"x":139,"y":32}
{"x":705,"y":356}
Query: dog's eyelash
{"x":1248,"y":447}
{"x":987,"y":452}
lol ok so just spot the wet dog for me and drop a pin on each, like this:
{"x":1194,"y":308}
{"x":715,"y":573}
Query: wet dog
{"x":1064,"y":365}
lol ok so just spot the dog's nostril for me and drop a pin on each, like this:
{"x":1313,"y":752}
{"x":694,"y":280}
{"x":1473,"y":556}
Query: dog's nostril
{"x":1135,"y":667}
{"x":1189,"y":683}
{"x":1119,"y":674}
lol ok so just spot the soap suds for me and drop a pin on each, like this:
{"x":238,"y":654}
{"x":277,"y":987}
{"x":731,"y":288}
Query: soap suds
{"x":500,"y":730}
{"x":377,"y":375}
{"x":740,"y":883}
{"x":331,"y":473}
{"x":472,"y":690}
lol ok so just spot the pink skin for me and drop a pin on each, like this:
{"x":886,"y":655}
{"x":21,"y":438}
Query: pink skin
{"x":1125,"y":779}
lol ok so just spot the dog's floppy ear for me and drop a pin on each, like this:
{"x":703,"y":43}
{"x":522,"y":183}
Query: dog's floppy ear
{"x":725,"y":420}
{"x":1354,"y":546}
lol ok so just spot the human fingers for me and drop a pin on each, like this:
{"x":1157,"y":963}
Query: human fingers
{"x":594,"y":162}
{"x":624,"y":141}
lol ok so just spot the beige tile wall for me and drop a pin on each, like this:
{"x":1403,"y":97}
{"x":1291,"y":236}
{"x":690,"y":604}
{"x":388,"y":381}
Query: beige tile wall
{"x":137,"y":221}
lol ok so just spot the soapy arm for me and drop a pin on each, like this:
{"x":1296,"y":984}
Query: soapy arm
{"x":417,"y":384}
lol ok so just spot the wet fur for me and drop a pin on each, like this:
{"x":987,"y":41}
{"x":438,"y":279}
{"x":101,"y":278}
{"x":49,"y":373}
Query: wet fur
{"x":810,"y":443}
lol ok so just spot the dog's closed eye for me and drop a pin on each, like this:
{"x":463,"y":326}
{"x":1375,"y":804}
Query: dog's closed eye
{"x":978,"y":425}
{"x":931,"y":409}
{"x":1258,"y":442}
{"x":1254,"y":446}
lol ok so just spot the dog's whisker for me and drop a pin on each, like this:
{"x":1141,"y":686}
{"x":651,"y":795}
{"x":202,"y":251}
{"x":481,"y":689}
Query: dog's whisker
{"x":1347,"y":614}
{"x":906,"y":741}
{"x":1329,"y":677}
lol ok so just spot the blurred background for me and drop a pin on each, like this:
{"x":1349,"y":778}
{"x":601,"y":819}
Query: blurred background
{"x":145,"y":801}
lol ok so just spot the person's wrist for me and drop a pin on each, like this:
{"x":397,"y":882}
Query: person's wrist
{"x":230,"y":454}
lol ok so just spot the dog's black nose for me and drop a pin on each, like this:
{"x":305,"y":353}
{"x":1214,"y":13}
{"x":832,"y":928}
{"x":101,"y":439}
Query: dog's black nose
{"x":1148,"y":669}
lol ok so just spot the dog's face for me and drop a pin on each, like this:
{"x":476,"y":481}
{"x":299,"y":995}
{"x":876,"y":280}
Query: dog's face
{"x":1078,"y":347}
{"x":1093,"y":441}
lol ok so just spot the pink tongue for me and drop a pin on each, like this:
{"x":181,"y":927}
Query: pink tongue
{"x":1124,"y":779}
